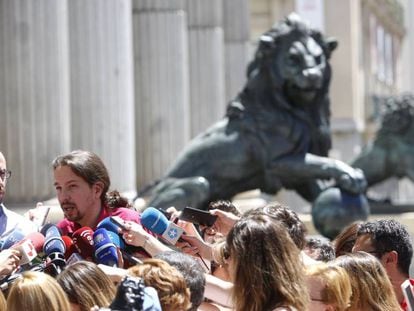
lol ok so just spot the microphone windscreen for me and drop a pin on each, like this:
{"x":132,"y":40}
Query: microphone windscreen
{"x":15,"y":236}
{"x":70,"y":247}
{"x":53,"y":241}
{"x":105,"y":250}
{"x":107,"y":224}
{"x":154,"y":220}
{"x":37,"y":239}
{"x":46,"y":227}
{"x":116,"y":239}
{"x":83,"y":241}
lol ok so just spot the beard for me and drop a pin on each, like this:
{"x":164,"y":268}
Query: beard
{"x":71,"y":212}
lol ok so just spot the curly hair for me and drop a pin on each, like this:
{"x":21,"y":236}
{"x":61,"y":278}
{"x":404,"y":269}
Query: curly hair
{"x":224,"y":205}
{"x":170,"y":284}
{"x":390,"y":235}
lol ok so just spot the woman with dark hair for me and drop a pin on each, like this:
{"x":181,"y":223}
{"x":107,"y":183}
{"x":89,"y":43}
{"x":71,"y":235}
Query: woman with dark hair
{"x":265,"y":266}
{"x":345,"y":240}
{"x":86,"y":286}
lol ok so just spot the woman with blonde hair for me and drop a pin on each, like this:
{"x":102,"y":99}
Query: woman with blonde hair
{"x":167,"y":281}
{"x":371,"y":287}
{"x":265,"y":266}
{"x":3,"y":305}
{"x":37,"y":291}
{"x":329,"y":288}
{"x":86,"y":286}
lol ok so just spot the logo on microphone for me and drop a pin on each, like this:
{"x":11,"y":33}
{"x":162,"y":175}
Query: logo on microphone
{"x":172,"y":233}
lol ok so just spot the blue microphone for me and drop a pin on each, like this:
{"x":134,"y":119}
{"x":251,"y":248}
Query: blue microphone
{"x":53,"y":241}
{"x":116,"y":239}
{"x":15,"y":236}
{"x":105,"y":249}
{"x":119,"y":243}
{"x":107,"y":224}
{"x":156,"y":222}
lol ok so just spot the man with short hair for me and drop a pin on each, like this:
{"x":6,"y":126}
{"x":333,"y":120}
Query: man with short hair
{"x":82,"y":183}
{"x":390,"y":242}
{"x":192,"y":272}
{"x":10,"y":221}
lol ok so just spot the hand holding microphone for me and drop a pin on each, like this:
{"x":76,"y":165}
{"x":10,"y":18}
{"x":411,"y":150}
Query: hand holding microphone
{"x":156,"y":222}
{"x":135,"y":235}
{"x":9,"y":261}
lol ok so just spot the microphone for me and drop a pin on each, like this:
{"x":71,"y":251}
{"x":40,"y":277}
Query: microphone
{"x":53,"y":241}
{"x":46,"y":227}
{"x":156,"y":222}
{"x":119,"y":242}
{"x":54,"y":248}
{"x":37,"y":239}
{"x":109,"y":225}
{"x":83,"y":241}
{"x":105,"y":250}
{"x":15,"y":236}
{"x":30,"y":247}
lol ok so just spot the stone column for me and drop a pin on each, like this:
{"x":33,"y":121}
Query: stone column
{"x":236,"y":38}
{"x":102,"y":85}
{"x":206,"y":49}
{"x":34,"y":88}
{"x":161,"y":85}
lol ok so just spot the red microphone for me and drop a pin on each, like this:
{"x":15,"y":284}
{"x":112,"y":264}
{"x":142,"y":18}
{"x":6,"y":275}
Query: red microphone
{"x":70,"y":246}
{"x":29,"y":247}
{"x":83,"y":241}
{"x":37,"y":239}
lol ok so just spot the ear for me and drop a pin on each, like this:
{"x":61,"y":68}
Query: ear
{"x":331,"y":43}
{"x":97,"y":189}
{"x":390,"y":258}
{"x":330,"y":308}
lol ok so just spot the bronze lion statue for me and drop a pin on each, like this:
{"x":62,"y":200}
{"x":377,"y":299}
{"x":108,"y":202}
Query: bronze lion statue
{"x":275,"y":133}
{"x":391,"y":154}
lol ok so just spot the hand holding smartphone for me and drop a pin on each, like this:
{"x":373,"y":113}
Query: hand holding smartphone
{"x":198,"y":216}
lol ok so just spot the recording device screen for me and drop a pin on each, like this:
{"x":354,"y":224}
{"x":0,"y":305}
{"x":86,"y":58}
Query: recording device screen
{"x":198,"y":216}
{"x":407,"y":289}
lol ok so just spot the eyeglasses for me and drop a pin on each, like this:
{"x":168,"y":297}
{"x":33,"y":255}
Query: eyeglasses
{"x":5,"y":174}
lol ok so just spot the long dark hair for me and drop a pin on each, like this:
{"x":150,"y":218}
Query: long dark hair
{"x":267,"y":269}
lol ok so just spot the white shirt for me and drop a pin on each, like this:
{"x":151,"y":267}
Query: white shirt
{"x":10,"y":220}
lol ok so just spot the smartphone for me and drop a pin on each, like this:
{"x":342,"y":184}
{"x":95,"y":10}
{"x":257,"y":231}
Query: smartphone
{"x":118,"y":221}
{"x":198,"y":216}
{"x":407,"y":289}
